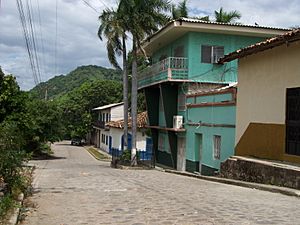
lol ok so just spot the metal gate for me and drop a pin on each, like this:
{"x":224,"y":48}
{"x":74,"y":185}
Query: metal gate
{"x":293,"y":121}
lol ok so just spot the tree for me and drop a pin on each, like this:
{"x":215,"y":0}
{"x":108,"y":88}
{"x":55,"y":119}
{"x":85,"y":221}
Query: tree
{"x":9,"y":92}
{"x":113,"y":28}
{"x":141,"y":18}
{"x":77,"y":104}
{"x":180,"y":10}
{"x":222,"y":16}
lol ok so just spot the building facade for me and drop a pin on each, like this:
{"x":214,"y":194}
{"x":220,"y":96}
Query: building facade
{"x":268,"y":112}
{"x":105,"y":114}
{"x":184,"y":56}
{"x":144,"y":142}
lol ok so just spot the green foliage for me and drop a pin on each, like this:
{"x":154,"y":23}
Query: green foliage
{"x":126,"y":156}
{"x":77,"y":105}
{"x":11,"y":155}
{"x":180,"y":10}
{"x":9,"y":92}
{"x":6,"y":203}
{"x":61,"y":84}
{"x":227,"y":17}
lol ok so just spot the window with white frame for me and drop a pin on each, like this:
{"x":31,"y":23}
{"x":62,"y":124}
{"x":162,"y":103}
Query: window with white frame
{"x":211,"y":54}
{"x":217,"y":146}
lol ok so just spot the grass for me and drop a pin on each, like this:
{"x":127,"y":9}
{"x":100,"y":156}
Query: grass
{"x":97,"y":155}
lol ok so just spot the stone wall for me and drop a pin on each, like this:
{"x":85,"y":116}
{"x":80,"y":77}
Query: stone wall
{"x":260,"y":171}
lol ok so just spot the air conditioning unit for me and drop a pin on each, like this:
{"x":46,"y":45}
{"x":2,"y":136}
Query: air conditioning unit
{"x":177,"y":122}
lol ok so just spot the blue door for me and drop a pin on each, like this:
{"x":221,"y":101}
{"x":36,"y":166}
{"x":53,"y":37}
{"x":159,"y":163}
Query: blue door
{"x":129,"y":144}
{"x":110,"y":144}
{"x":149,"y":145}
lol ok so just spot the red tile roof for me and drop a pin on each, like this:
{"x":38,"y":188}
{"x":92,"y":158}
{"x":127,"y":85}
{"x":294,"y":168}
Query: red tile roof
{"x":142,"y":120}
{"x":286,"y":38}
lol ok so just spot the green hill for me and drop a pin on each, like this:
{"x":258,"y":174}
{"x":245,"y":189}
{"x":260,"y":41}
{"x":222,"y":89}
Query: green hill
{"x":60,"y":85}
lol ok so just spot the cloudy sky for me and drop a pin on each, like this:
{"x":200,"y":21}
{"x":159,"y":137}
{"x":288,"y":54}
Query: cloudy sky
{"x":77,"y":23}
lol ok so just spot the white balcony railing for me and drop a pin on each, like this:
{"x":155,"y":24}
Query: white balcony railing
{"x":172,"y":68}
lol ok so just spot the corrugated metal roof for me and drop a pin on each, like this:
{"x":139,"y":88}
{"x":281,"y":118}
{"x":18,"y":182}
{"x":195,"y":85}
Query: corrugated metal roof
{"x":189,"y":20}
{"x":107,"y":106}
{"x":290,"y":36}
{"x":142,"y":120}
{"x":229,"y":24}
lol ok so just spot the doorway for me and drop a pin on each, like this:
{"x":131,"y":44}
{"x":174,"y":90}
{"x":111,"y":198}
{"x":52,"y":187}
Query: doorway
{"x":293,"y":121}
{"x":199,"y":149}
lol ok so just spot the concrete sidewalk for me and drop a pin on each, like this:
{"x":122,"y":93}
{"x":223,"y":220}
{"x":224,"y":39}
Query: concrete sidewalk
{"x":263,"y":187}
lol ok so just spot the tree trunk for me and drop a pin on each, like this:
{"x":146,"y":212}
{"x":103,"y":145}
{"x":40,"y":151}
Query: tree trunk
{"x":134,"y":103}
{"x":125,"y":94}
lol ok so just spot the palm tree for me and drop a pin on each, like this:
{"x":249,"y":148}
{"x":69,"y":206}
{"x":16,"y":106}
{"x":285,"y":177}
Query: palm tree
{"x":142,"y":17}
{"x":112,"y":27}
{"x":180,"y":10}
{"x":222,"y":16}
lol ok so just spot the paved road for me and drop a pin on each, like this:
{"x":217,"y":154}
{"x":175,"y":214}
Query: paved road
{"x":77,"y":189}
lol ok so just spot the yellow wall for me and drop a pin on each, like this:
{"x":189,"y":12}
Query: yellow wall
{"x":261,"y":101}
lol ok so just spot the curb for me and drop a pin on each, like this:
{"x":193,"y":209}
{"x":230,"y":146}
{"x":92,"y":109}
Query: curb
{"x":122,"y":167}
{"x":101,"y":152}
{"x":263,"y":187}
{"x":15,"y":215}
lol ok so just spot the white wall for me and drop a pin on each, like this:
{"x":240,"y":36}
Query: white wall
{"x":117,"y":113}
{"x":117,"y":133}
{"x":104,"y":146}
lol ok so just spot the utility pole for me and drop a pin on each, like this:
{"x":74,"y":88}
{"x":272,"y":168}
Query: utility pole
{"x":46,"y":91}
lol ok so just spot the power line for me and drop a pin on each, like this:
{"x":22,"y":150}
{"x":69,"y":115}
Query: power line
{"x":27,"y":39}
{"x":90,"y":6}
{"x":56,"y":34}
{"x":32,"y":32}
{"x":41,"y":35}
{"x":28,"y":26}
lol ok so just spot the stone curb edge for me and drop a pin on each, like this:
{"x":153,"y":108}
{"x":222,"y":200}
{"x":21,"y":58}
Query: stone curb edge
{"x":263,"y":187}
{"x":15,"y":216}
{"x":104,"y":160}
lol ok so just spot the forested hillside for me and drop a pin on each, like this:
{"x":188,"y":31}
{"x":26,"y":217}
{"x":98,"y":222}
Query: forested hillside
{"x":62,"y":84}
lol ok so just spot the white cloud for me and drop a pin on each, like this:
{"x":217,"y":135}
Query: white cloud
{"x":77,"y":41}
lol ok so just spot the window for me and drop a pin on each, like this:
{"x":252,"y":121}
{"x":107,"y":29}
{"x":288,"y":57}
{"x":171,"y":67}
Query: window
{"x":217,"y":147}
{"x":107,"y":117}
{"x":103,"y":138}
{"x":106,"y":141}
{"x":211,"y":54}
{"x":103,"y":117}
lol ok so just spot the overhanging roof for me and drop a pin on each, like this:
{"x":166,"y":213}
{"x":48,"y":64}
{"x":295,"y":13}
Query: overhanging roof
{"x":262,"y":46}
{"x":177,"y":28}
{"x":108,"y":106}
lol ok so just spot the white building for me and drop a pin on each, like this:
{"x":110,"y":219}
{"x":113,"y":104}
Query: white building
{"x":101,"y":134}
{"x":144,"y":142}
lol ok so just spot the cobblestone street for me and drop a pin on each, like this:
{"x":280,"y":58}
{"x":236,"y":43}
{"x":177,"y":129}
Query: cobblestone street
{"x":77,"y":189}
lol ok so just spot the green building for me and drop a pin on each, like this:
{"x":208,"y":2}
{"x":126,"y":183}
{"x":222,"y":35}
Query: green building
{"x":186,"y":83}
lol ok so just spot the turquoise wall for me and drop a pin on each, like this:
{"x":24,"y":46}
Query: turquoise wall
{"x":207,"y":133}
{"x":203,"y":135}
{"x":214,"y":72}
{"x":169,"y":50}
{"x":206,"y":72}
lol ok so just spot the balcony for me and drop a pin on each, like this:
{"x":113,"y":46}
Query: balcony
{"x":99,"y":124}
{"x":169,"y":69}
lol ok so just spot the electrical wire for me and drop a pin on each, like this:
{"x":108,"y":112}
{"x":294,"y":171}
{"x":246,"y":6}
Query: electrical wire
{"x":28,"y":41}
